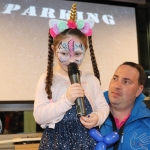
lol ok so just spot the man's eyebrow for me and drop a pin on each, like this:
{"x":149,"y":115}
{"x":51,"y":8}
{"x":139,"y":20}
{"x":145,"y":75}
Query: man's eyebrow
{"x":115,"y":75}
{"x":127,"y":79}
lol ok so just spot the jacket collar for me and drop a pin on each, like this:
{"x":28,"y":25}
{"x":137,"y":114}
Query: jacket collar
{"x":139,"y":110}
{"x":138,"y":100}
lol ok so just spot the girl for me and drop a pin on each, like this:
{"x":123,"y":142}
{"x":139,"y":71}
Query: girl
{"x":54,"y":107}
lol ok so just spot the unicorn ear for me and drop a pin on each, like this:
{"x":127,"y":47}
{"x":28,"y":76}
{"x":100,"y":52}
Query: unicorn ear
{"x":52,"y":22}
{"x":90,"y":22}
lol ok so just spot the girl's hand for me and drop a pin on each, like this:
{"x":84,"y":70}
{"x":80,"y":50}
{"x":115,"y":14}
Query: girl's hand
{"x":89,"y":121}
{"x":74,"y":91}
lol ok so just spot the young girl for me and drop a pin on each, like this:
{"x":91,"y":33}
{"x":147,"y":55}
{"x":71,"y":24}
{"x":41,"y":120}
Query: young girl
{"x":54,"y":107}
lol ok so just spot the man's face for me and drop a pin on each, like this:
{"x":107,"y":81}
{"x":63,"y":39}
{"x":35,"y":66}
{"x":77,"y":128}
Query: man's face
{"x":124,"y":87}
{"x":70,"y":50}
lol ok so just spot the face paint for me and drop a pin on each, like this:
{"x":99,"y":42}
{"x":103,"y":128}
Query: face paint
{"x":70,"y":52}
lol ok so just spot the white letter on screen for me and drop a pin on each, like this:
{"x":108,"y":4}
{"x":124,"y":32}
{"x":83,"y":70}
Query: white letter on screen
{"x":48,"y":13}
{"x":64,"y":15}
{"x":108,"y":19}
{"x":93,"y":16}
{"x":31,"y":11}
{"x":79,"y":15}
{"x":11,"y":7}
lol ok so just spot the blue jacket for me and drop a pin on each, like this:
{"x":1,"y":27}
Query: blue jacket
{"x":136,"y":132}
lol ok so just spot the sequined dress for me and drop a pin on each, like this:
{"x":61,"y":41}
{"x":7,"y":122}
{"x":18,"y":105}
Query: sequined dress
{"x":69,"y":133}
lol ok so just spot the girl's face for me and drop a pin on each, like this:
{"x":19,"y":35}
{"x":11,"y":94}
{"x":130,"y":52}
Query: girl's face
{"x":70,"y":49}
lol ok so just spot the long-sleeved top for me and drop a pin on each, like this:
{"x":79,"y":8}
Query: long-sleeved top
{"x":136,"y":131}
{"x":49,"y":112}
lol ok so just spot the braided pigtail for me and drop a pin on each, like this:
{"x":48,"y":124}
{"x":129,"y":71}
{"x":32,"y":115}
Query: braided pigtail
{"x":93,"y":59}
{"x":49,"y":76}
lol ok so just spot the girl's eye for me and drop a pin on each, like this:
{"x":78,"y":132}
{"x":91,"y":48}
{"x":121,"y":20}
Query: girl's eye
{"x":78,"y":54}
{"x":65,"y":54}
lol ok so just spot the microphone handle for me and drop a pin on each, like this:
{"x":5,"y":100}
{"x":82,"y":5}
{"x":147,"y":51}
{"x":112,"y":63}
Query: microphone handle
{"x":80,"y":106}
{"x":75,"y":78}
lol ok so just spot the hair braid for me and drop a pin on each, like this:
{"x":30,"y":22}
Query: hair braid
{"x":93,"y":59}
{"x":49,"y":68}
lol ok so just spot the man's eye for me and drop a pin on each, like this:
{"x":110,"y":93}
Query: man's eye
{"x":114,"y":78}
{"x":127,"y":82}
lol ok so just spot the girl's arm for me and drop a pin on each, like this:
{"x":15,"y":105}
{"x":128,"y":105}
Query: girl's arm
{"x":46,"y":112}
{"x":101,"y":107}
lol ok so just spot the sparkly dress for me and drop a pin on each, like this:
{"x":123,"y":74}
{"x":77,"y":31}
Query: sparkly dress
{"x":69,"y":133}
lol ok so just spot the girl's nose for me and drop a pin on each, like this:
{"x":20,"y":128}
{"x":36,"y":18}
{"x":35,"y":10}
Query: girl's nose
{"x":72,"y":59}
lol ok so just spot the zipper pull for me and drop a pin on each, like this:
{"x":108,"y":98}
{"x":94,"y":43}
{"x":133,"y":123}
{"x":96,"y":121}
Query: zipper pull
{"x":122,"y":138}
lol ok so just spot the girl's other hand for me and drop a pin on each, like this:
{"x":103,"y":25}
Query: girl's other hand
{"x":74,"y":91}
{"x":89,"y":121}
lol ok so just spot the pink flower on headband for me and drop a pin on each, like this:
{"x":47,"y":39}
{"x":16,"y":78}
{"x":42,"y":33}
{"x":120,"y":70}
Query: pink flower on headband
{"x":58,"y":26}
{"x":86,"y":28}
{"x":71,"y":24}
{"x":52,"y":33}
{"x":89,"y":33}
{"x":56,"y":29}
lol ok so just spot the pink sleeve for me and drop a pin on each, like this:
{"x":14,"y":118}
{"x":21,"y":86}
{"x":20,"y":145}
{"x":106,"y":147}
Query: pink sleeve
{"x":101,"y":106}
{"x":46,"y":112}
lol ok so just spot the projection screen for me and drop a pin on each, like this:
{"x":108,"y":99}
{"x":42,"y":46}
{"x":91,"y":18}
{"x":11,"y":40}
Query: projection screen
{"x":24,"y":41}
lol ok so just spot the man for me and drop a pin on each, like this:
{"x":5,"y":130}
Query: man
{"x":129,"y":115}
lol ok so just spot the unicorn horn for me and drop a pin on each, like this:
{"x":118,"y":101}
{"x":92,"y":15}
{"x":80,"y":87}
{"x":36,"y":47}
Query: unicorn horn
{"x":73,"y":13}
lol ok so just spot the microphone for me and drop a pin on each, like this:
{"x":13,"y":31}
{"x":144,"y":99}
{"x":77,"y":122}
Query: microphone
{"x":74,"y":76}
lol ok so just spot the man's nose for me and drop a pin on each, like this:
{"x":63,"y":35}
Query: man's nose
{"x":117,"y":84}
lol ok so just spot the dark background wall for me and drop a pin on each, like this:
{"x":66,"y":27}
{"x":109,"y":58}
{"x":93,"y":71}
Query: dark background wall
{"x":143,"y":32}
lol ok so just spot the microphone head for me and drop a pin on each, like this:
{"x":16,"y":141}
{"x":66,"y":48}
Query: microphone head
{"x":73,"y":69}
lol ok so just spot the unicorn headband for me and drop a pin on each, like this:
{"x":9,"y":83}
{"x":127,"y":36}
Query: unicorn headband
{"x":58,"y":26}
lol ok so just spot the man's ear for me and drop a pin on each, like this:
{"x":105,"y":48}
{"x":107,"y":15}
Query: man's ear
{"x":139,"y":90}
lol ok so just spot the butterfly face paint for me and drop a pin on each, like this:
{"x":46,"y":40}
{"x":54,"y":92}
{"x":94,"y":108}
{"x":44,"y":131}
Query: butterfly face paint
{"x":70,"y":52}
